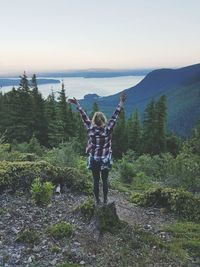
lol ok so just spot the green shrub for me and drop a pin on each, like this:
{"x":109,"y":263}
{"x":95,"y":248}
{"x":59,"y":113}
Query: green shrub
{"x":27,"y":236}
{"x":87,"y":208}
{"x":77,"y":181}
{"x":62,"y":156}
{"x":21,"y":147}
{"x":121,"y":187}
{"x":35,"y":147}
{"x":6,"y":147}
{"x":185,"y":172}
{"x":41,"y":192}
{"x":181,"y":202}
{"x":141,"y":181}
{"x":60,"y":230}
{"x":127,"y":171}
{"x":18,"y":156}
{"x":15,"y":175}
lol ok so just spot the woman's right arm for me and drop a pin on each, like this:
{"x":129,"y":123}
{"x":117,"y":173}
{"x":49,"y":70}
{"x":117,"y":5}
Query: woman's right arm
{"x":86,"y":120}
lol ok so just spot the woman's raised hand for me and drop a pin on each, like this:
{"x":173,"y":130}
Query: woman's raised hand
{"x":73,"y":101}
{"x":122,"y":97}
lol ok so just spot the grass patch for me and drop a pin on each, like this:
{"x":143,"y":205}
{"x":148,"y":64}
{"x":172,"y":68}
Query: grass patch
{"x":2,"y":211}
{"x":27,"y":236}
{"x":86,"y":209}
{"x":60,"y":230}
{"x":121,"y":187}
{"x":185,"y":241}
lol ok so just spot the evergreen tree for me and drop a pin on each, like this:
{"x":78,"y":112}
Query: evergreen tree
{"x":173,"y":143}
{"x":160,"y":127}
{"x":65,"y":115}
{"x":39,"y":124}
{"x":195,"y":140}
{"x":24,"y":83}
{"x":134,"y":132}
{"x":54,"y":127}
{"x":154,"y":131}
{"x":95,"y":108}
{"x":120,"y":136}
{"x":24,"y":111}
{"x":149,"y":125}
{"x":12,"y":120}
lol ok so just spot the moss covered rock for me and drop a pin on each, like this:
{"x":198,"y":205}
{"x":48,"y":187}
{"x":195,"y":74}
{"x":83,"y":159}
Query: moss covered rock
{"x":106,"y":218}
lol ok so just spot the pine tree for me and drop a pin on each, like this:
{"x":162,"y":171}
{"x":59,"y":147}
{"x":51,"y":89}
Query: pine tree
{"x":11,"y":118}
{"x":95,"y":108}
{"x":149,"y":125}
{"x":134,"y":132}
{"x":195,"y":140}
{"x":24,"y":83}
{"x":39,"y":124}
{"x":120,"y":136}
{"x":154,"y":131}
{"x":24,"y":112}
{"x":160,"y":127}
{"x":65,"y":115}
{"x":54,"y":128}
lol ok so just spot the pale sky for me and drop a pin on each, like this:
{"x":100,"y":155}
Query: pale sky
{"x":44,"y":35}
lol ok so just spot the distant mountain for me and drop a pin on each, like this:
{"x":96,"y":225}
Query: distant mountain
{"x":15,"y":82}
{"x":97,"y":73}
{"x":181,"y":87}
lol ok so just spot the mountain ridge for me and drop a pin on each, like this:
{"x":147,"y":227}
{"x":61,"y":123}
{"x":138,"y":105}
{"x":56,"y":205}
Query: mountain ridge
{"x":174,"y":83}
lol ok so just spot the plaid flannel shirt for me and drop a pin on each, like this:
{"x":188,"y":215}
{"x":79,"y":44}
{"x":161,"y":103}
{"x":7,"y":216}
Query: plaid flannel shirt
{"x":99,"y":138}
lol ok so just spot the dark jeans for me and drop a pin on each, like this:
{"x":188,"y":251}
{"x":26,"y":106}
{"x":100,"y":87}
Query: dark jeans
{"x":97,"y":172}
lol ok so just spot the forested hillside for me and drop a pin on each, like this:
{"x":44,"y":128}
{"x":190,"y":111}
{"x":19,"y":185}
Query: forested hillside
{"x":181,"y":88}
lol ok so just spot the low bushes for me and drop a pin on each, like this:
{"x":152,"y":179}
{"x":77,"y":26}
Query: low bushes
{"x":41,"y":192}
{"x":15,"y":175}
{"x":181,"y":202}
{"x":60,"y":230}
{"x":126,"y":171}
{"x":18,"y":156}
{"x":27,"y":236}
{"x":86,"y":208}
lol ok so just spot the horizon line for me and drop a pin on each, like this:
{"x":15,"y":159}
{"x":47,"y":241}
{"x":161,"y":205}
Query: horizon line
{"x":95,"y":69}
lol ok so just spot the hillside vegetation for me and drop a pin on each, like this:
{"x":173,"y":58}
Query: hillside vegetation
{"x":181,"y":88}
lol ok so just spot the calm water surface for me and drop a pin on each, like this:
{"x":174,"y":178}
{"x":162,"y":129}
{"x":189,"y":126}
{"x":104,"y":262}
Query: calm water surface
{"x":79,"y":86}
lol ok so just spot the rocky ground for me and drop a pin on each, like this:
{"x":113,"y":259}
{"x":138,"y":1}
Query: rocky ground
{"x":87,"y":246}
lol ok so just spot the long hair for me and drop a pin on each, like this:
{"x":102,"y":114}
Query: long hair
{"x":99,"y":119}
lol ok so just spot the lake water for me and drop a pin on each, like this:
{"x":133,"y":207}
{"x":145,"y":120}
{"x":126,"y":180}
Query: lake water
{"x":79,"y":86}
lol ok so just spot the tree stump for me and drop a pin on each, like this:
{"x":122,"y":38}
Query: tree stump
{"x":106,"y":218}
